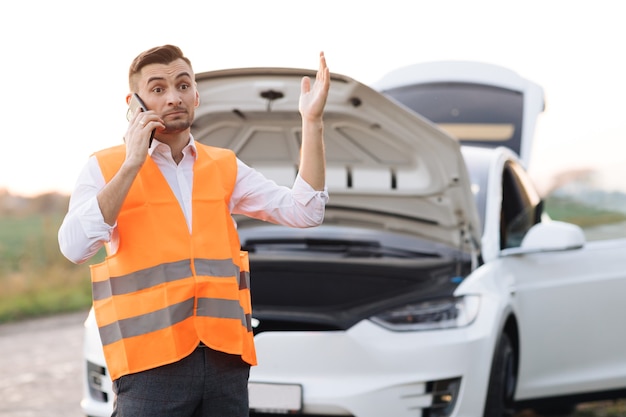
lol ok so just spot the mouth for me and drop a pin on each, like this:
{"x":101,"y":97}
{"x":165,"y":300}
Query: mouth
{"x":177,"y":113}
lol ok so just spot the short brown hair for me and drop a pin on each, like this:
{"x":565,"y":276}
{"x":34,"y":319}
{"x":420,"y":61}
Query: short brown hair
{"x":158,"y":55}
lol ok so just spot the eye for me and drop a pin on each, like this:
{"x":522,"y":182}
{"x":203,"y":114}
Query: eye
{"x":184,"y":86}
{"x":157,"y":90}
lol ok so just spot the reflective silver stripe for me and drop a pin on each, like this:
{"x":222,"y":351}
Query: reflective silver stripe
{"x":163,"y":273}
{"x":244,"y":280}
{"x":143,"y":279}
{"x":249,"y":322}
{"x":146,"y":323}
{"x":221,"y":308}
{"x":216,"y":267}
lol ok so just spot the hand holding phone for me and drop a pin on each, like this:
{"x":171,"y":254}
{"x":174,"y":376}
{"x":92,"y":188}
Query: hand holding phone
{"x":135,"y":103}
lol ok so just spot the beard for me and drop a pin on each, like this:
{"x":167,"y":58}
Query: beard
{"x":176,"y":126}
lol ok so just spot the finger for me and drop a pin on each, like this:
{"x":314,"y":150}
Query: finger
{"x":138,"y":111}
{"x":305,"y":85}
{"x":320,"y":69}
{"x":323,"y":73}
{"x":323,"y":67}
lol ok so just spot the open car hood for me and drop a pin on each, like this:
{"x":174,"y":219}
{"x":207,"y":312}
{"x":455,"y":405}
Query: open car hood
{"x":386,"y":165}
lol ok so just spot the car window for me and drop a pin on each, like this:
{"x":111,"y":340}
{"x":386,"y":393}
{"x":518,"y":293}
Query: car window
{"x":478,"y":170}
{"x":476,"y":114}
{"x":521,"y":206}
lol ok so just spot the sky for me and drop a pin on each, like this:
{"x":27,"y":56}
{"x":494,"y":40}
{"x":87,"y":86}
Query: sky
{"x":65,"y":63}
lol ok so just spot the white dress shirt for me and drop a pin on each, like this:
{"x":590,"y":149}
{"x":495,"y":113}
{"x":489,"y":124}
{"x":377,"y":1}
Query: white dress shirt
{"x":84,"y":231}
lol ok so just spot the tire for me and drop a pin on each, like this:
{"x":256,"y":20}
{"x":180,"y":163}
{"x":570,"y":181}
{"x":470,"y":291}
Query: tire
{"x":500,"y":400}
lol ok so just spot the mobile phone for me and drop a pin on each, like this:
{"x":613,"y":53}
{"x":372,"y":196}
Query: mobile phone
{"x":135,"y":103}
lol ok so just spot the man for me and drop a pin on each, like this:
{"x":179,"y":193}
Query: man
{"x":172,"y":297}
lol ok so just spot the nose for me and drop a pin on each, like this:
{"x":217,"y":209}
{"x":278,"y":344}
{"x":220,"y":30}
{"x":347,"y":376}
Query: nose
{"x":174,"y":98}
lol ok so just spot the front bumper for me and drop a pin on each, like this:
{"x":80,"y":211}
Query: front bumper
{"x":369,"y":371}
{"x":97,"y":399}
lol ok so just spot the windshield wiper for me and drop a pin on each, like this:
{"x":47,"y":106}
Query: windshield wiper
{"x":345,"y":247}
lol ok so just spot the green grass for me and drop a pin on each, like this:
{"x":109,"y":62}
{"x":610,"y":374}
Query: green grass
{"x":568,"y":210}
{"x":35,"y":277}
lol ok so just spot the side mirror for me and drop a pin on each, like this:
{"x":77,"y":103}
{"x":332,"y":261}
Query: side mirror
{"x":550,"y":236}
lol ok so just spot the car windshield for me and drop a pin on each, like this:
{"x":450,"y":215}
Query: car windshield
{"x":476,"y":114}
{"x":478,"y":169}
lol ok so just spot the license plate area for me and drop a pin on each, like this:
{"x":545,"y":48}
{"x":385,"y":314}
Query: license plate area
{"x":275,"y":398}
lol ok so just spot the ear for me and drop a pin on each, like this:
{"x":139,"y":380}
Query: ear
{"x":128,"y":96}
{"x":197,"y":99}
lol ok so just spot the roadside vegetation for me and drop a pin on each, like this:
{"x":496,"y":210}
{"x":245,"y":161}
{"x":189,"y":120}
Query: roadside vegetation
{"x":35,"y":279}
{"x":586,"y":216}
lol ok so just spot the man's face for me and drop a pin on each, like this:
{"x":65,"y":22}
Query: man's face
{"x":170,"y":91}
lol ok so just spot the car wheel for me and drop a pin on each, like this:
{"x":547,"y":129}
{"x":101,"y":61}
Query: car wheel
{"x":502,"y":380}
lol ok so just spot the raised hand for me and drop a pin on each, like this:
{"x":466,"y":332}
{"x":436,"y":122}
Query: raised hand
{"x":313,"y":100}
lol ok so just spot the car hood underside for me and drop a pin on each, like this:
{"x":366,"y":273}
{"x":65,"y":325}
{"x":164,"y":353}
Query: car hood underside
{"x":384,"y":162}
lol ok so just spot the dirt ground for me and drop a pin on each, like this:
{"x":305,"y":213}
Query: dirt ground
{"x":40,"y":367}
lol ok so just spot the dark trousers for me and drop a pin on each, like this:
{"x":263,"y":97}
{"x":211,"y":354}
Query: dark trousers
{"x":207,"y":383}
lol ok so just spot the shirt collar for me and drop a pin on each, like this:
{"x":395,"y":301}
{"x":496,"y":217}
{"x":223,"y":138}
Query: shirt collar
{"x":160,"y":147}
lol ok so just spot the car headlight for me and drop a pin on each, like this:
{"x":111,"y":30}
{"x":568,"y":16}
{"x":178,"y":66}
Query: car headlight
{"x":440,"y":313}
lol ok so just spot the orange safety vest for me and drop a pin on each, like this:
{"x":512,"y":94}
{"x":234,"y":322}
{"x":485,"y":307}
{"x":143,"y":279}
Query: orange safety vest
{"x":165,"y":290}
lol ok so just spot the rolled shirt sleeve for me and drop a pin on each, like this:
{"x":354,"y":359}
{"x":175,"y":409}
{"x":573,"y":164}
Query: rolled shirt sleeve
{"x":84,"y":231}
{"x":261,"y":198}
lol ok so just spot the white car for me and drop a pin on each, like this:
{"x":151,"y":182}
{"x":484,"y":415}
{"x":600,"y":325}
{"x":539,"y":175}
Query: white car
{"x":436,"y":285}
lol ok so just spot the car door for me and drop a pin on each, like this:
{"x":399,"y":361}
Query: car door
{"x":570,"y":307}
{"x":568,"y":302}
